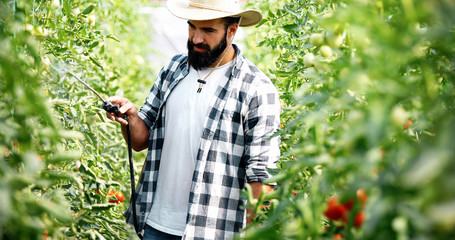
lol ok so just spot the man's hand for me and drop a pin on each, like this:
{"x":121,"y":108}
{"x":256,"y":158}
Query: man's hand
{"x":126,"y":107}
{"x":139,"y":131}
{"x":256,"y":187}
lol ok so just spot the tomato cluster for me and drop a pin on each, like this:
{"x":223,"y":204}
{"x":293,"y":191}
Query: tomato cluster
{"x":115,"y":197}
{"x":337,"y":211}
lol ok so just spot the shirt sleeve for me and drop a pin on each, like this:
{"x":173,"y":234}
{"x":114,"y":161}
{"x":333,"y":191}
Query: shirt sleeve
{"x":261,"y":139}
{"x":149,"y":111}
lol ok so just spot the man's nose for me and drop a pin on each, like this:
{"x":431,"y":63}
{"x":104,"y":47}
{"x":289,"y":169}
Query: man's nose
{"x":197,"y":38}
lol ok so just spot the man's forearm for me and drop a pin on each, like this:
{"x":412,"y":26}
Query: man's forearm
{"x":139,"y":133}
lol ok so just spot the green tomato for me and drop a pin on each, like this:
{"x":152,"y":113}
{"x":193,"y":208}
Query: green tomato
{"x":308,"y":60}
{"x":338,"y":28}
{"x":398,"y":116}
{"x":334,"y":40}
{"x":316,"y":39}
{"x":325,"y":51}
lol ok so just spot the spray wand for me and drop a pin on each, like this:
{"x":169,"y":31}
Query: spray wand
{"x":107,"y":105}
{"x":114,"y":108}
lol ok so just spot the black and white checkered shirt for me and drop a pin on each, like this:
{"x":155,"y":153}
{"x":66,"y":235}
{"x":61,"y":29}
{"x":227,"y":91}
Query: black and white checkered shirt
{"x":237,"y":146}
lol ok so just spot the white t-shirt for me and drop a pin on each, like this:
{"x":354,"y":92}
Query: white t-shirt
{"x":186,"y":111}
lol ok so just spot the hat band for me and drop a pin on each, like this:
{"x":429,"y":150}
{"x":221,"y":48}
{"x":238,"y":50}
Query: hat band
{"x":203,"y":6}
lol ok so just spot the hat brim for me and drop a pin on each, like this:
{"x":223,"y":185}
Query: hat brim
{"x":181,"y":9}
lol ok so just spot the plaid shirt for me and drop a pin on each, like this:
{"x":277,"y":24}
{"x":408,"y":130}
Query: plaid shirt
{"x":236,"y":147}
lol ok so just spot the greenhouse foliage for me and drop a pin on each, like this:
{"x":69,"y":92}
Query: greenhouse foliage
{"x":367,"y":91}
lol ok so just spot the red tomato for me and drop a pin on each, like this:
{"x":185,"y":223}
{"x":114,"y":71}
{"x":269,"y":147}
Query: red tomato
{"x":358,"y":220}
{"x":46,"y":234}
{"x":334,"y":210}
{"x":362,"y":196}
{"x":348,"y":204}
{"x":407,"y":124}
{"x":118,"y":196}
{"x":337,"y":236}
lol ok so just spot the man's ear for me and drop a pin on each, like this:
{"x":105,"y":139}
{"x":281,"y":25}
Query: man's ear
{"x":232,"y":29}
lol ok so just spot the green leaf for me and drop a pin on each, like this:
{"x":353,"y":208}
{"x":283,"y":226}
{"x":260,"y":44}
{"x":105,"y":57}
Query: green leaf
{"x":88,"y":10}
{"x":94,"y":44}
{"x":113,"y":37}
{"x":280,"y":73}
{"x":66,"y":8}
{"x":96,"y":63}
{"x":57,"y":175}
{"x":291,"y":27}
{"x":64,"y":157}
{"x":100,"y":207}
{"x":261,"y":22}
{"x":85,"y":169}
{"x":291,"y":11}
{"x":54,"y":209}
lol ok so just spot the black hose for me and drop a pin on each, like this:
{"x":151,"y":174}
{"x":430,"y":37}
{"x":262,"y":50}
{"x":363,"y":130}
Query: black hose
{"x":133,"y":187}
{"x":115,"y":109}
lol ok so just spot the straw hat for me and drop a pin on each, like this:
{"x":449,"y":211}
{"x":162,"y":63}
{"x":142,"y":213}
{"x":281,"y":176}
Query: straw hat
{"x":213,"y":9}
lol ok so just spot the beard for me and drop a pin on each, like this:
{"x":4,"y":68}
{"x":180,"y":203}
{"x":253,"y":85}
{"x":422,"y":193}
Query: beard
{"x":201,"y":60}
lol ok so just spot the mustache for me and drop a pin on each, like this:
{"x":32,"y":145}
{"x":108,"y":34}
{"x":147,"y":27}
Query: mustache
{"x":199,"y":45}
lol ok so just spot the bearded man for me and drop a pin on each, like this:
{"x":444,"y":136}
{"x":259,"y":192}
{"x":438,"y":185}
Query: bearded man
{"x":208,"y":124}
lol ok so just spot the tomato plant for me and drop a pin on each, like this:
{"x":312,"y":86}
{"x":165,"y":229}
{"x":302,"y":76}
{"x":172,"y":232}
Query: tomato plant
{"x":352,"y":77}
{"x":56,"y":147}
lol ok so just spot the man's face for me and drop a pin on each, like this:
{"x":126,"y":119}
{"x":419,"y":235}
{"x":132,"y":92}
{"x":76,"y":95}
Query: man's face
{"x":206,"y":41}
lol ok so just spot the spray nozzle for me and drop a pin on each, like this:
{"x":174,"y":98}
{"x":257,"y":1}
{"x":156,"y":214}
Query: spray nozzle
{"x":113,"y":108}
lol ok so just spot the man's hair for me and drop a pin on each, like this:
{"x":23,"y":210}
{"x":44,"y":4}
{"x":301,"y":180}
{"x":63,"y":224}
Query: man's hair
{"x":230,"y":20}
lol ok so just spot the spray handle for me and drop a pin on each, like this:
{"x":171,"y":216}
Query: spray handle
{"x":113,"y":108}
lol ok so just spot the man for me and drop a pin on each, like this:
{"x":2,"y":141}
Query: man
{"x":209,"y":124}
